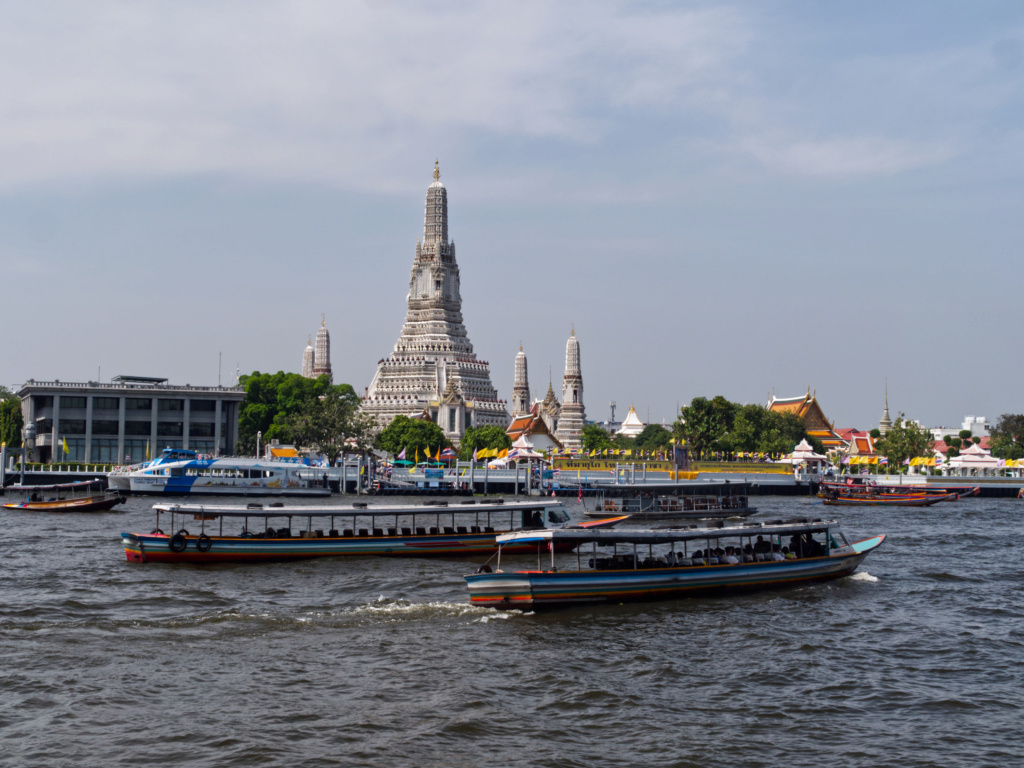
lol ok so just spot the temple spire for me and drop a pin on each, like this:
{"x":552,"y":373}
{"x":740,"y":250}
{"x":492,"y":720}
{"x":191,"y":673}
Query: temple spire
{"x":885,"y":423}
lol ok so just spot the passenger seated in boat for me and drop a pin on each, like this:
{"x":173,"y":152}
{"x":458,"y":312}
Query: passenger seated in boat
{"x":761,"y":547}
{"x":748,"y":554}
{"x":697,"y":558}
{"x":813,"y":548}
{"x":777,"y":553}
{"x":730,"y":556}
{"x":795,"y":545}
{"x":787,"y":554}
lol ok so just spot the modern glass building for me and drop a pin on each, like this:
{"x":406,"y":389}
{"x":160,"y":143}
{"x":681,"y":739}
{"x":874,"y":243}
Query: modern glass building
{"x":128,"y":420}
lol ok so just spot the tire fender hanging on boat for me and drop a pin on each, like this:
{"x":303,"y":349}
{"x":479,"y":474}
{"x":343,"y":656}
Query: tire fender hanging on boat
{"x":203,"y":543}
{"x":177,"y":543}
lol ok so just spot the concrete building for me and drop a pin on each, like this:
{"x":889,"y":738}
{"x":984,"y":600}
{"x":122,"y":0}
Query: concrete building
{"x":130,"y":416}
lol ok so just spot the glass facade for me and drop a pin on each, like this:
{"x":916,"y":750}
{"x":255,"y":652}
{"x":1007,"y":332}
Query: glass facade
{"x":202,"y":446}
{"x":171,"y":405}
{"x":67,"y":401}
{"x":138,"y":403}
{"x":104,"y":427}
{"x":71,"y":427}
{"x":135,"y":451}
{"x":208,"y":406}
{"x":170,"y":429}
{"x":106,"y":403}
{"x":104,"y":451}
{"x":75,"y":452}
{"x":200,"y":429}
{"x":137,"y":428}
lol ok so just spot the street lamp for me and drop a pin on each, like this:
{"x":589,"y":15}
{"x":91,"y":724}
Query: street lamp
{"x":258,"y":436}
{"x":28,"y":435}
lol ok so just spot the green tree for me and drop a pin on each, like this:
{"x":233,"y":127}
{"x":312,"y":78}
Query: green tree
{"x":654,"y":437}
{"x":11,"y":422}
{"x":272,"y":401}
{"x":595,"y":438}
{"x":704,"y":422}
{"x":876,"y":434}
{"x":1007,"y":436}
{"x":965,"y":434}
{"x":904,"y":440}
{"x":483,"y":438}
{"x":6,"y":394}
{"x":326,"y":424}
{"x":416,"y":436}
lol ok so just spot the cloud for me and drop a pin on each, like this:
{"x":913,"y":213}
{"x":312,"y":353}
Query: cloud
{"x":323,"y":90}
{"x":846,"y":157}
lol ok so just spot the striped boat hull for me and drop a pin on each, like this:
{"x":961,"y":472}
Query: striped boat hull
{"x":155,"y":548}
{"x":531,"y":589}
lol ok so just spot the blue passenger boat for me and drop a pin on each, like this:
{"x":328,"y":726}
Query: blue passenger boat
{"x":668,"y":563}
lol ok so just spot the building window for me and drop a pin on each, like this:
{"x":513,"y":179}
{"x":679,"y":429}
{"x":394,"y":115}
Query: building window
{"x":200,"y":429}
{"x":136,"y":451}
{"x":138,"y":428}
{"x":104,"y":427}
{"x":43,"y":401}
{"x":451,"y":419}
{"x":66,"y":401}
{"x":106,"y":403}
{"x":437,"y":285}
{"x":209,"y":406}
{"x":201,"y":446}
{"x":169,"y":429}
{"x":72,"y":427}
{"x":104,"y":452}
{"x":170,"y":405}
{"x":75,"y":451}
{"x":138,"y":403}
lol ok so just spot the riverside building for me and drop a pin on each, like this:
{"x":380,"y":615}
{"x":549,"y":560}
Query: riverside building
{"x":134,"y":416}
{"x":433,"y":369}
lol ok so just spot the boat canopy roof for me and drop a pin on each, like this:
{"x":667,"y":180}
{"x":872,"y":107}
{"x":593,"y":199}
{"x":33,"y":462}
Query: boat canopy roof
{"x":665,"y":535}
{"x":350,"y":510}
{"x":77,"y":485}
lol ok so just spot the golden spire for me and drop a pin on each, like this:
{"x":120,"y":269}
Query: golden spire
{"x":520,"y":346}
{"x":437,"y":171}
{"x":574,"y":329}
{"x":323,"y":320}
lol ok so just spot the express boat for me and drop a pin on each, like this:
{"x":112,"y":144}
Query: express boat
{"x":82,"y":496}
{"x":178,"y":471}
{"x":256,"y":533}
{"x":636,"y":565}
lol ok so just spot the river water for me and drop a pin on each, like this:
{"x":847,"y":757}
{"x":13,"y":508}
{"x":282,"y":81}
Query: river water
{"x":913,"y":661}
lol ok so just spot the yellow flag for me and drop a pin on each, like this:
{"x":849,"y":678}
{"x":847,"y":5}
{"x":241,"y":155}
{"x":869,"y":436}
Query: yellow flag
{"x":65,"y":446}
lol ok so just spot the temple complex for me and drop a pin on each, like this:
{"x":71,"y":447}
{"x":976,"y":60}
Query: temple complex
{"x":573,"y":416}
{"x":807,"y":409}
{"x":520,"y":387}
{"x":549,"y":408}
{"x":433,"y":369}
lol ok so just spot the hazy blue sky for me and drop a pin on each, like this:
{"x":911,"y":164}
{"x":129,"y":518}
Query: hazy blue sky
{"x":724,"y":198}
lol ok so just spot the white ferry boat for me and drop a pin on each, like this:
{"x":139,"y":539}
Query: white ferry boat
{"x":178,"y":471}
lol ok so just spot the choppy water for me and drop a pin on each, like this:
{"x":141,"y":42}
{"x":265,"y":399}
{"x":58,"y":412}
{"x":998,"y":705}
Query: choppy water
{"x":914,"y":661}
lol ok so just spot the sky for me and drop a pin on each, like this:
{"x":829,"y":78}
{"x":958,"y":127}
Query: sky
{"x":721,"y":198}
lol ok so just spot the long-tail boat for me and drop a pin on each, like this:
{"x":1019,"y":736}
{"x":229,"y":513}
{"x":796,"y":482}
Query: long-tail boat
{"x":264,"y":534}
{"x":667,"y":563}
{"x":886,"y":499}
{"x":81,"y":496}
{"x":948,"y":493}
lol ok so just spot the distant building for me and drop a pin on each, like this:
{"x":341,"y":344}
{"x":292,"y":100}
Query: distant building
{"x":521,"y":386}
{"x":317,"y":361}
{"x":131,"y":416}
{"x":979,"y":426}
{"x":885,"y":423}
{"x":631,"y":425}
{"x":534,"y":428}
{"x":807,"y":408}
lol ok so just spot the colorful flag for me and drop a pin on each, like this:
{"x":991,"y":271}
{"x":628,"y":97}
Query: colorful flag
{"x":401,"y":455}
{"x":474,"y":454}
{"x":579,"y":496}
{"x":65,"y":447}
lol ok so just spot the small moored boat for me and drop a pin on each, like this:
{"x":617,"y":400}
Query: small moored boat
{"x":669,"y":563}
{"x":886,"y":500}
{"x":259,"y":534}
{"x":82,"y":496}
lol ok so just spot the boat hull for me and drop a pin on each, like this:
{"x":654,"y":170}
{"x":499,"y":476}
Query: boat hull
{"x":156,"y":548}
{"x":91,"y":504}
{"x":534,"y":589}
{"x":167,"y":487}
{"x":887,"y":501}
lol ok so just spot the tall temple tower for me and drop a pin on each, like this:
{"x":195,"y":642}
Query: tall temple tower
{"x":433,"y":368}
{"x":322,"y":357}
{"x":521,"y":387}
{"x":573,"y":416}
{"x":885,"y":423}
{"x":308,"y":358}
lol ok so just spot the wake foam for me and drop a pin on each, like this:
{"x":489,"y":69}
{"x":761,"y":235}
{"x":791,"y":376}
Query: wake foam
{"x":863,"y":576}
{"x":404,"y":610}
